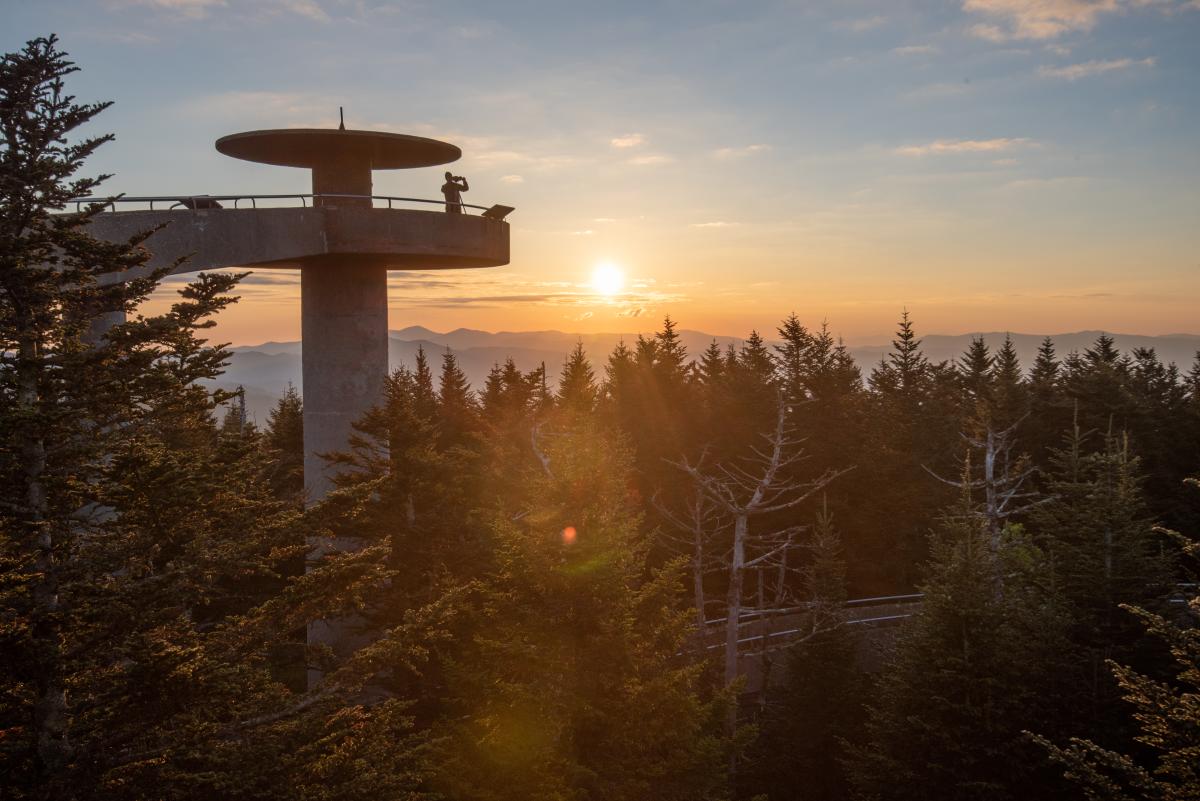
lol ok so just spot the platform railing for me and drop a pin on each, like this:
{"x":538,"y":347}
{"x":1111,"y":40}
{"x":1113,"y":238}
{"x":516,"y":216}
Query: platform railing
{"x":206,"y":202}
{"x":748,"y":615}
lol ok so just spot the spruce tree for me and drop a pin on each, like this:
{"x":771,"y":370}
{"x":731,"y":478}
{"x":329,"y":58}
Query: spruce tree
{"x":577,"y":391}
{"x":457,"y":408}
{"x":1106,"y":551}
{"x":1010,"y":395}
{"x":1166,"y":712}
{"x":976,"y":667}
{"x":793,"y":353}
{"x":975,"y":371}
{"x":572,"y":686}
{"x":284,"y":439}
{"x":1050,"y":411}
{"x":140,"y":553}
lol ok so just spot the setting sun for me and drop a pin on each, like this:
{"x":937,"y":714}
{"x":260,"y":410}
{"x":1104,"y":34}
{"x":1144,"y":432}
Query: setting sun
{"x":608,"y":279}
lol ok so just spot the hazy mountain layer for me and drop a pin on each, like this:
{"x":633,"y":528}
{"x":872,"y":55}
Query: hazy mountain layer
{"x":265,"y":370}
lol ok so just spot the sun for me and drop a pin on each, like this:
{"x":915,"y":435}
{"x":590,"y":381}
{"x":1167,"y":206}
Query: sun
{"x":608,"y":279}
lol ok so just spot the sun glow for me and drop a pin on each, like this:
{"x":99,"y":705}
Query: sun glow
{"x":608,"y":279}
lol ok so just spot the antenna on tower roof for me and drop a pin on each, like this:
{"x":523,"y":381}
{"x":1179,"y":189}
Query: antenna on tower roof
{"x":341,"y":119}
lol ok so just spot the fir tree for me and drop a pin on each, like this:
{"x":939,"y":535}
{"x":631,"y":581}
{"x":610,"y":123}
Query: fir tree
{"x":1167,"y":716}
{"x":284,"y":439}
{"x":457,"y":409}
{"x":571,"y":687}
{"x":577,"y":391}
{"x":140,"y":556}
{"x":1009,"y":392}
{"x":793,"y":357}
{"x":1107,"y":553}
{"x":974,"y":669}
{"x":425,"y":397}
{"x":975,"y":371}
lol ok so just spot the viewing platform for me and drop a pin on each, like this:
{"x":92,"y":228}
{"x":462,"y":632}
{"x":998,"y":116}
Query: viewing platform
{"x":341,"y":237}
{"x":308,"y":230}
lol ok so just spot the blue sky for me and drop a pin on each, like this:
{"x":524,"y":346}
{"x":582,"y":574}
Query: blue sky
{"x":1029,"y":165}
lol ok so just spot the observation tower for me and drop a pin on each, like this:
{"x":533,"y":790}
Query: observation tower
{"x":342,"y":239}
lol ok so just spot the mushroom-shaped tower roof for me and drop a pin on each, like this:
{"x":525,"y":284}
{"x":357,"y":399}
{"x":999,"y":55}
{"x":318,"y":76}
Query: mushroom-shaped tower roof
{"x":316,"y":147}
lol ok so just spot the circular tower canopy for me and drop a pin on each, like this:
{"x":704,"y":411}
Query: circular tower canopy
{"x":316,"y":147}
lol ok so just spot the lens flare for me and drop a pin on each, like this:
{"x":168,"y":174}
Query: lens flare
{"x":568,"y":535}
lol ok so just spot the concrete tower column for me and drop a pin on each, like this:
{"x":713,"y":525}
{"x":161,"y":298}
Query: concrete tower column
{"x":342,"y":176}
{"x":344,"y":358}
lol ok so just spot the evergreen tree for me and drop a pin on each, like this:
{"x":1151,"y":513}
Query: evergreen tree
{"x":572,"y":687}
{"x":425,"y":398}
{"x":457,"y":409}
{"x":793,"y":358}
{"x":914,"y":408}
{"x":1049,"y":409}
{"x":1010,"y":395}
{"x":975,"y":371}
{"x":1167,"y":716}
{"x":139,"y":554}
{"x":284,"y":439}
{"x":1107,"y":553}
{"x":808,"y":717}
{"x":577,"y":391}
{"x":974,"y":669}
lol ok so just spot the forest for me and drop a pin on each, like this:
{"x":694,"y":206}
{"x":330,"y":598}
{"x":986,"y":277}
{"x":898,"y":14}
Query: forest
{"x":546,"y":578}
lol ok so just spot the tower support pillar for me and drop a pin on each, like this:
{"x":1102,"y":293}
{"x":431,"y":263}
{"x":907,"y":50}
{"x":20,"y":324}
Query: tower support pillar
{"x":344,"y":359}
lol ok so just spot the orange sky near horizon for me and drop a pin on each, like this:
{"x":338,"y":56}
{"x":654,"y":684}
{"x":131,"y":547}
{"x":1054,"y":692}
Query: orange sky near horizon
{"x":990,"y":165}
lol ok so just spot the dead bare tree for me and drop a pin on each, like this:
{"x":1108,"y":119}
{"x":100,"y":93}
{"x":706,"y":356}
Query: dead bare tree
{"x":1003,"y":477}
{"x":761,"y":485}
{"x":695,"y":527}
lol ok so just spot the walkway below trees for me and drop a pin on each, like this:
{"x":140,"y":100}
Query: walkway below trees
{"x":764,"y":638}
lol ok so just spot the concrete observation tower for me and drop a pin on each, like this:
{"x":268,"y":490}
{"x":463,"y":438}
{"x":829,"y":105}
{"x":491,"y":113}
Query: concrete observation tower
{"x":341,"y":238}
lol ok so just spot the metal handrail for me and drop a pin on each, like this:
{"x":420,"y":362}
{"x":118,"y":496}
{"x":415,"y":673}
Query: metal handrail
{"x":180,"y":200}
{"x":881,"y":600}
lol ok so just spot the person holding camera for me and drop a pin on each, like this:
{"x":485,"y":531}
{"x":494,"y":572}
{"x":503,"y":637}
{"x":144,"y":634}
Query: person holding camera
{"x":452,"y":190}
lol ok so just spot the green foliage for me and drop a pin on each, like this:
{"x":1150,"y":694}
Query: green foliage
{"x":807,"y":721}
{"x":285,"y":444}
{"x":142,"y":548}
{"x":573,"y":686}
{"x":1166,"y":712}
{"x":970,"y":672}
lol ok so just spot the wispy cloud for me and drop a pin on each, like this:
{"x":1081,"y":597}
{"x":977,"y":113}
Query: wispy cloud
{"x":915,"y":50}
{"x":651,"y":160}
{"x":950,"y":146}
{"x":199,"y":9}
{"x":188,"y":9}
{"x":860,"y":24}
{"x":304,"y":8}
{"x":1049,"y":19}
{"x":512,"y":179}
{"x":713,"y":224}
{"x":1073,"y":72}
{"x":1046,"y":183}
{"x":628,"y":140}
{"x":991,"y":33}
{"x":283,"y":108}
{"x":739,"y":152}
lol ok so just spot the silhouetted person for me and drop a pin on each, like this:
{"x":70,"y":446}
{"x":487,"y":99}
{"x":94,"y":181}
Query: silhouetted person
{"x":453,"y":188}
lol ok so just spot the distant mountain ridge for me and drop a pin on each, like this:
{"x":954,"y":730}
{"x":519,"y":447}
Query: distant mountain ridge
{"x":265,"y":370}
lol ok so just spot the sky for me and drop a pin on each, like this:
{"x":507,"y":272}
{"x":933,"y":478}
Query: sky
{"x":990,"y":165}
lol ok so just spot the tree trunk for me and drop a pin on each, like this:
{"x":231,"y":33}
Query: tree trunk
{"x":698,"y":578}
{"x":734,"y":604}
{"x":49,"y":717}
